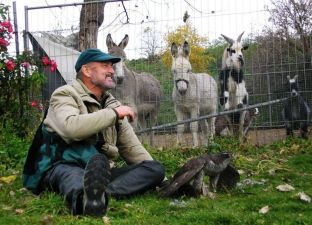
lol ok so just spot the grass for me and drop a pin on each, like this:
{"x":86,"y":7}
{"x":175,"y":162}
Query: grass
{"x":290,"y":160}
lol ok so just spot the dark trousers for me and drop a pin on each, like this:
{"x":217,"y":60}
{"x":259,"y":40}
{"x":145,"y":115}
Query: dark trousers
{"x":67,"y":180}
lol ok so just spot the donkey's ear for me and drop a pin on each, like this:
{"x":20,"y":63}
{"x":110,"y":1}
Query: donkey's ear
{"x":186,"y":49}
{"x":109,"y":42}
{"x":288,"y":77}
{"x":174,"y":49}
{"x":124,"y":42}
{"x":296,"y":77}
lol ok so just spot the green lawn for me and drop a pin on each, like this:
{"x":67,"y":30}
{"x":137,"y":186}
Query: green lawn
{"x":270,"y":165}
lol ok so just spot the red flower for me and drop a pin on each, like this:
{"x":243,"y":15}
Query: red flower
{"x":10,"y":65}
{"x":8,"y":25}
{"x":45,"y":60}
{"x":4,"y":42}
{"x":53,"y":65}
{"x":34,"y":104}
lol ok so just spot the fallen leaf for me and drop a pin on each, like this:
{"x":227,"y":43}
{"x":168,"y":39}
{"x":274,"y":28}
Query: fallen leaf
{"x":8,"y":179}
{"x":178,"y":203}
{"x":47,"y":220}
{"x":264,"y":209}
{"x":285,"y":187}
{"x":105,"y":220}
{"x":127,"y":205}
{"x":272,"y":172}
{"x":12,"y":193}
{"x":304,"y":197}
{"x":19,"y":211}
{"x":7,"y":208}
{"x":22,"y":190}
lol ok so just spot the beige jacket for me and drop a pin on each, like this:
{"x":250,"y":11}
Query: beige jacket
{"x":75,"y":116}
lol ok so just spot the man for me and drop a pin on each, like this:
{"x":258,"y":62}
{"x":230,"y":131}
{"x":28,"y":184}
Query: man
{"x":84,"y":129}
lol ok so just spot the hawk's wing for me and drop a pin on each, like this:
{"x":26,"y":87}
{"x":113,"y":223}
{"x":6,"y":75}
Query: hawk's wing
{"x":228,"y":178}
{"x":185,"y":174}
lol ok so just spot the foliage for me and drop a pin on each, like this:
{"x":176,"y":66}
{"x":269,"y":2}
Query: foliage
{"x":215,"y":50}
{"x":20,"y":81}
{"x":292,"y":17}
{"x":186,"y":32}
{"x":12,"y":148}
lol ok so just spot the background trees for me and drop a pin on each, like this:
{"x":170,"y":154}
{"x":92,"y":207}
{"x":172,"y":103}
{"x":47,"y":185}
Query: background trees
{"x":198,"y":58}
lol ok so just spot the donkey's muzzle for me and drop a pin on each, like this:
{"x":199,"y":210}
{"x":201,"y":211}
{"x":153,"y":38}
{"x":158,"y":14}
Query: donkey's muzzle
{"x":241,"y":60}
{"x":181,"y":90}
{"x":120,"y":80}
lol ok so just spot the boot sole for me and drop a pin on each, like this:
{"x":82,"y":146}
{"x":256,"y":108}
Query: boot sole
{"x":96,"y":179}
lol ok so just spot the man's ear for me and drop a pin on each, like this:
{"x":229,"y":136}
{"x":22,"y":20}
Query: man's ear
{"x":85,"y":71}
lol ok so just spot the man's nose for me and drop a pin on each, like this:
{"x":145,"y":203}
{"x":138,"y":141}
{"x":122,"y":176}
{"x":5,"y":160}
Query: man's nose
{"x":111,"y":69}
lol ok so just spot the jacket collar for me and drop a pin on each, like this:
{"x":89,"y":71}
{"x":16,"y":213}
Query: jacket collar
{"x":85,"y":94}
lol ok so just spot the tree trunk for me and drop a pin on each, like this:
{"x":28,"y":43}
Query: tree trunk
{"x":91,"y":18}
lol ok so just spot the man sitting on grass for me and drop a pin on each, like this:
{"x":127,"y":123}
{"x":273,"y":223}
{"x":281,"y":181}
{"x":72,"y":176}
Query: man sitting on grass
{"x":84,"y":130}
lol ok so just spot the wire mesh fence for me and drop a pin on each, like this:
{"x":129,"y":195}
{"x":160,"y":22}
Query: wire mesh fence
{"x":150,"y":25}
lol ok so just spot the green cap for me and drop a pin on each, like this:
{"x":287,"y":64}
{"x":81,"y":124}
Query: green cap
{"x":94,"y":55}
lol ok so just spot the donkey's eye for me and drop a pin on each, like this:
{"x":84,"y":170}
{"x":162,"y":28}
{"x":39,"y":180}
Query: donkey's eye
{"x":233,"y":51}
{"x":189,"y":70}
{"x":174,"y":71}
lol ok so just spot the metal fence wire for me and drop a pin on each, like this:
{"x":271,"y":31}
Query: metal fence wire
{"x":150,"y":25}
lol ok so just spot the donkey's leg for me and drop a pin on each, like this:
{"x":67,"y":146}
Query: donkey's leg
{"x":289,"y":128}
{"x":241,"y":126}
{"x":205,"y":129}
{"x":230,"y":124}
{"x":211,"y":128}
{"x":180,"y":128}
{"x":194,"y":126}
{"x":153,"y":122}
{"x":304,"y":129}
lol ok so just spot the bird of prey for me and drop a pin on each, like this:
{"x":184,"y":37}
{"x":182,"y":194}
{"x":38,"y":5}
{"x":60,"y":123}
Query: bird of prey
{"x":193,"y":171}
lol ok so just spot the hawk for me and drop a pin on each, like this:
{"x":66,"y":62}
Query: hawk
{"x":190,"y":177}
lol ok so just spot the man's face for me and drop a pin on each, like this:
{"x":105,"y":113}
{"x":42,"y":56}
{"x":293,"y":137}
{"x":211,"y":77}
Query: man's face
{"x":101,"y":74}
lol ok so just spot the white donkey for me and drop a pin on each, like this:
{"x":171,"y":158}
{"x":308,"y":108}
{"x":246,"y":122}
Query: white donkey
{"x":141,"y":91}
{"x":193,"y":94}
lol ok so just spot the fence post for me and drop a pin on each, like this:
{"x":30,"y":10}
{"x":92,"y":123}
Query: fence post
{"x":26,"y":43}
{"x":269,"y":93}
{"x":15,"y":29}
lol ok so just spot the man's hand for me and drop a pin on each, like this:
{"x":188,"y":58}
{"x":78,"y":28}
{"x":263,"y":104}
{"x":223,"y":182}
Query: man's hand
{"x":123,"y":111}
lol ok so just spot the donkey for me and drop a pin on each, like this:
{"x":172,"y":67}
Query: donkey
{"x":233,"y":88}
{"x":141,"y":91}
{"x":296,"y":112}
{"x":193,"y":94}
